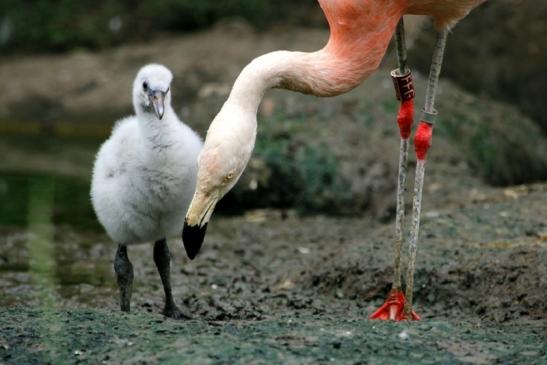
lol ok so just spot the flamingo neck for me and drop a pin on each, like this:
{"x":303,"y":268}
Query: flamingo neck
{"x":360,"y":34}
{"x":275,"y":69}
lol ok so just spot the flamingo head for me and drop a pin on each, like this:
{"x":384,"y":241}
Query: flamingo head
{"x":226,"y":152}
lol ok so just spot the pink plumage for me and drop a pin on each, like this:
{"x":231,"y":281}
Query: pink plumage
{"x":360,"y":32}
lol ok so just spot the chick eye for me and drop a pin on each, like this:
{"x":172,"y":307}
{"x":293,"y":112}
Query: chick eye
{"x":145,"y":86}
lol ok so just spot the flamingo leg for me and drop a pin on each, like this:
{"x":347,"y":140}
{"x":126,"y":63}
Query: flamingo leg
{"x":422,"y":142}
{"x":392,"y":309}
{"x":403,"y":164}
{"x":400,"y":213}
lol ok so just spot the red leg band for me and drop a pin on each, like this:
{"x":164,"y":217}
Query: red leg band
{"x":422,"y":140}
{"x":405,"y":118}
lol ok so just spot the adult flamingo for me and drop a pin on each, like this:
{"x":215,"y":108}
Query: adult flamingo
{"x":360,"y":34}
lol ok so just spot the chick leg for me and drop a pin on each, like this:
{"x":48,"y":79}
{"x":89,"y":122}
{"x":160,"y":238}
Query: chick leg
{"x":162,"y":258}
{"x":124,"y":275}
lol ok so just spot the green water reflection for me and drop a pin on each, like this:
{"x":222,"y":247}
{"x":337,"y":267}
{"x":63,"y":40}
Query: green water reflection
{"x":70,"y":202}
{"x":41,"y":249}
{"x":42,"y":264}
{"x":53,"y":251}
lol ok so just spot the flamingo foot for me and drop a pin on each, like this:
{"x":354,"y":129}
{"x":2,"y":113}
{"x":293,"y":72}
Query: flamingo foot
{"x":393,"y":308}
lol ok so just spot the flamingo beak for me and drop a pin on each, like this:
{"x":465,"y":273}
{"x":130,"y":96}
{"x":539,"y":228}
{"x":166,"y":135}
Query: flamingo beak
{"x":195,"y":224}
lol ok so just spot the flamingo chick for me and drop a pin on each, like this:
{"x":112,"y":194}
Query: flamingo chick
{"x":360,"y":31}
{"x":143,"y":179}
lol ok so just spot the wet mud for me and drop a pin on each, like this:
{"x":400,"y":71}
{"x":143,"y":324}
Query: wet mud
{"x":273,"y":287}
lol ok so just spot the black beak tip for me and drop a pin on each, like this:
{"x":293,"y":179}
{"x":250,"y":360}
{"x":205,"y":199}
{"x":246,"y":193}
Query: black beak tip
{"x":192,"y":237}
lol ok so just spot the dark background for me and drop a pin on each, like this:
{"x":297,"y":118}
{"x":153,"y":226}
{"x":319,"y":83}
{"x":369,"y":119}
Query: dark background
{"x":497,"y":55}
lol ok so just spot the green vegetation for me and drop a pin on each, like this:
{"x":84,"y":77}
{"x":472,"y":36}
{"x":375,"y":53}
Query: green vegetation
{"x":300,"y":176}
{"x":286,"y":172}
{"x":49,"y":25}
{"x":502,"y":153}
{"x":498,"y":50}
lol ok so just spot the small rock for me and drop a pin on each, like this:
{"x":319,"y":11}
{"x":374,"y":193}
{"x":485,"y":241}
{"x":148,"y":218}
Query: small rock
{"x":304,"y":250}
{"x":404,"y":335}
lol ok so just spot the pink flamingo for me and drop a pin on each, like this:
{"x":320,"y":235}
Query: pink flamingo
{"x":360,"y":34}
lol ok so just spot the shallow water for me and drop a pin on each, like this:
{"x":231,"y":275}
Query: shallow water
{"x":50,"y":240}
{"x":59,"y":201}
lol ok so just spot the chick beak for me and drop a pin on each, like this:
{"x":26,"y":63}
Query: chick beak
{"x":157,"y":98}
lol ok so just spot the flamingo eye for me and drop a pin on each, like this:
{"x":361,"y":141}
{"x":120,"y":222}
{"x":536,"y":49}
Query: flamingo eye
{"x":228,"y":177}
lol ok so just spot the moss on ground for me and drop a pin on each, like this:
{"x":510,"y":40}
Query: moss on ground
{"x":37,"y":336}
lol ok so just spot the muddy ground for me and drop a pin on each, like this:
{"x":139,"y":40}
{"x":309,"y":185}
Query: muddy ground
{"x":275,"y":288}
{"x":270,"y":285}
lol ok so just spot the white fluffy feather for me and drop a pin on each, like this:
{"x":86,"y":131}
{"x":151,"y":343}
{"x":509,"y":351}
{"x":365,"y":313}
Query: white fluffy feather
{"x":145,"y":173}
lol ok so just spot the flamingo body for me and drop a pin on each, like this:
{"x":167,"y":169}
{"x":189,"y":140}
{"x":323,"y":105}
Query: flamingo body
{"x":360,"y":31}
